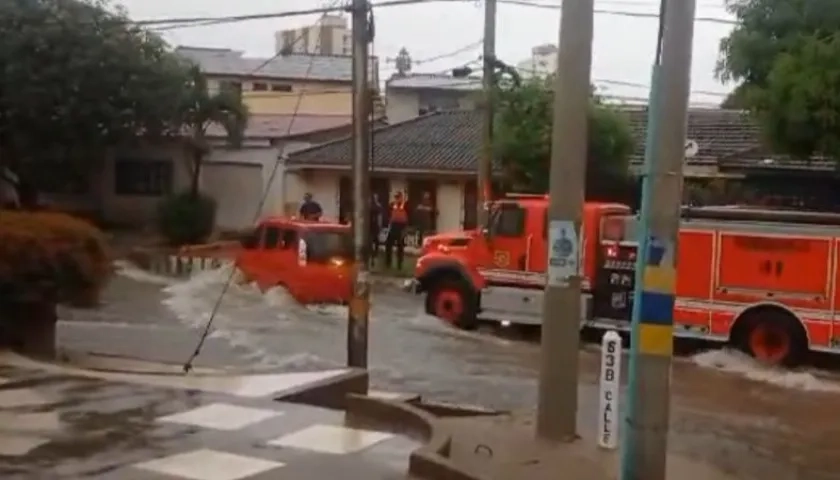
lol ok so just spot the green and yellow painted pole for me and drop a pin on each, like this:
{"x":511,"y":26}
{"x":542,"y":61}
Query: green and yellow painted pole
{"x":645,"y":439}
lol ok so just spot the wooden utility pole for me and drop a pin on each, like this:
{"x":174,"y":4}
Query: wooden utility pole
{"x":645,"y":445}
{"x":359,"y":311}
{"x":557,"y":409}
{"x":485,"y":158}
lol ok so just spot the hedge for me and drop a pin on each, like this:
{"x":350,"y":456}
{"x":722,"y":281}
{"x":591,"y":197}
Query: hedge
{"x":186,"y":219}
{"x":51,"y":257}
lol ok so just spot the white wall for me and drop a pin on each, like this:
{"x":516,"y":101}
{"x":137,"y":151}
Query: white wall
{"x":450,"y":201}
{"x":237,"y":189}
{"x":324,"y":187}
{"x":401,"y":105}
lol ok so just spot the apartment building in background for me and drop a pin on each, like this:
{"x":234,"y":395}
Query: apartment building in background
{"x":543,"y":62}
{"x":329,"y":36}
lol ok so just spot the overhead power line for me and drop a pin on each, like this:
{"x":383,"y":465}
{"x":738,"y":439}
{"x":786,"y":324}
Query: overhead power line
{"x":622,"y":13}
{"x":164,"y":24}
{"x":464,"y":49}
{"x":190,"y":21}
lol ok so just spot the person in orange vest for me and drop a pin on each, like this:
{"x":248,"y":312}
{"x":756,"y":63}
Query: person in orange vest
{"x":397,"y":221}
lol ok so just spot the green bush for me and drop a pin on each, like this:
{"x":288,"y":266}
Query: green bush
{"x":51,"y":257}
{"x":184,"y":218}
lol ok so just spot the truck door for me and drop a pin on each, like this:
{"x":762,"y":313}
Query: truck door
{"x":612,"y":292}
{"x":508,"y":242}
{"x":327,"y":275}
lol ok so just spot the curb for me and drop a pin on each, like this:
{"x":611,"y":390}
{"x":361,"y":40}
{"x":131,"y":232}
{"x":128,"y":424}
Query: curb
{"x":429,"y":462}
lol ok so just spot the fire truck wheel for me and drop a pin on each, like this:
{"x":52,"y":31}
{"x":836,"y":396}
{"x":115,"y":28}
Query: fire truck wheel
{"x":774,"y":337}
{"x":453,"y":302}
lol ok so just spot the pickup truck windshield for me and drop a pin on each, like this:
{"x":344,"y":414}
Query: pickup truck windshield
{"x":325,"y":245}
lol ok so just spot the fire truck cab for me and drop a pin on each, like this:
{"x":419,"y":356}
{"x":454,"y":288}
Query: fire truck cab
{"x":312,"y":260}
{"x":499,"y":273}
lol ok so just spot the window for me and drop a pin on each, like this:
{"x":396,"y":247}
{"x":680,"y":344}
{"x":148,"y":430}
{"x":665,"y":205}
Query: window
{"x":259,"y":87}
{"x":280,"y":87}
{"x":272,"y":238}
{"x":142,"y":177}
{"x":508,"y":220}
{"x":229,"y":85}
{"x":322,"y":246}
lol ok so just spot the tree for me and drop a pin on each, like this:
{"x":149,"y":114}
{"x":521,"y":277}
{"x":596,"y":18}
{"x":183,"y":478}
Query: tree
{"x":785,"y":55}
{"x":523,"y":140}
{"x":199,"y":110}
{"x":78,"y":77}
{"x":736,"y":100}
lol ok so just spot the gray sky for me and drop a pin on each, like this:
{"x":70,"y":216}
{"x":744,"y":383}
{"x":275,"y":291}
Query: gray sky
{"x":623,"y":46}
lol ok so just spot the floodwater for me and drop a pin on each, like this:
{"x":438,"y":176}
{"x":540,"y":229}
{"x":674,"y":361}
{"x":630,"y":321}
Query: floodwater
{"x":745,"y":418}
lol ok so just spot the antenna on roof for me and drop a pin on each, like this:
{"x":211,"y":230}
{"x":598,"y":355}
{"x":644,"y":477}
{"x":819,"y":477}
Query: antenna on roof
{"x":403,"y":62}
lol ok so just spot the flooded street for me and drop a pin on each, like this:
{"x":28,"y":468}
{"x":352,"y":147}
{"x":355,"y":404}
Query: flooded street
{"x":744,"y":418}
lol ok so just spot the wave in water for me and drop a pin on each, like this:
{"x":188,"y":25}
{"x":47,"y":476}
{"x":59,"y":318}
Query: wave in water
{"x":733,"y":361}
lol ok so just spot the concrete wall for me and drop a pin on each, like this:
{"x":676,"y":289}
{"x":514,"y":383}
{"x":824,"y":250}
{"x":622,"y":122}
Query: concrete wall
{"x":401,"y":105}
{"x":404,"y":104}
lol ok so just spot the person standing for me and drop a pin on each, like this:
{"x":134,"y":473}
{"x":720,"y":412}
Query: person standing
{"x":377,"y":213}
{"x":398,"y":219}
{"x":424,"y":217}
{"x":310,"y":209}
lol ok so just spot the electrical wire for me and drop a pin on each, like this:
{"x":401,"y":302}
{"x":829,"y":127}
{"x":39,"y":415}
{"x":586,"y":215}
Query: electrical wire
{"x":621,"y":13}
{"x":188,"y":22}
{"x":188,"y":365}
{"x":185,"y":21}
{"x":464,"y":49}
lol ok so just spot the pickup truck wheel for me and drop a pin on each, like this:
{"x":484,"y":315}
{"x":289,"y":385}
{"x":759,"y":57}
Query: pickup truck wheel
{"x":454,"y":303}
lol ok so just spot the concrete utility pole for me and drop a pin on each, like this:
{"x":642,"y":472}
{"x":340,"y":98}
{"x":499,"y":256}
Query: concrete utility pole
{"x":485,"y":163}
{"x":645,"y":443}
{"x":359,"y":311}
{"x":557,"y":409}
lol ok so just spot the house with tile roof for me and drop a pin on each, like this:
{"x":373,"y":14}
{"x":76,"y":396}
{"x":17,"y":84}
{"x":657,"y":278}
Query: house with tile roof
{"x":438,"y":152}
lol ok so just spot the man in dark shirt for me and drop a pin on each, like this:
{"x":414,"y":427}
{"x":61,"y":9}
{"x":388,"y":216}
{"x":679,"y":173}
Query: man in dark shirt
{"x":398,"y":219}
{"x":310,"y":209}
{"x":424,"y":217}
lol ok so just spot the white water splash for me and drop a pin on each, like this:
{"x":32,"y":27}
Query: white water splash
{"x":733,"y":361}
{"x":193,"y":300}
{"x":129,"y":270}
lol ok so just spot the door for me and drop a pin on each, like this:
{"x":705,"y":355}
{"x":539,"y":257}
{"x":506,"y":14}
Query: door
{"x":538,"y":242}
{"x":507,"y":239}
{"x":327,"y":275}
{"x":470,"y":205}
{"x":279,"y":255}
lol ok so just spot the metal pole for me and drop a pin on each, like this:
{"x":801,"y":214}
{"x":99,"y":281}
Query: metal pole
{"x":645,"y":443}
{"x":557,"y":409}
{"x":357,"y":325}
{"x":485,"y":163}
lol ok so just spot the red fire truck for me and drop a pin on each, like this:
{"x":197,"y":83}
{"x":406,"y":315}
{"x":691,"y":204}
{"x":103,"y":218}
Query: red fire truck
{"x":762,"y":280}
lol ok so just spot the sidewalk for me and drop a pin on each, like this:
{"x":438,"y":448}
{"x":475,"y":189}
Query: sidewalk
{"x":505,"y":449}
{"x":62,"y":423}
